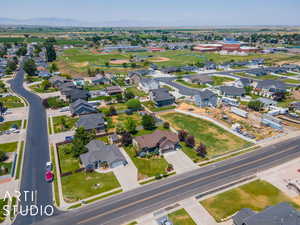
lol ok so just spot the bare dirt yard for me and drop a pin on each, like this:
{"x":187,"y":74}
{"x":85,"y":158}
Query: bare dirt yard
{"x":251,"y":124}
{"x":119,"y":61}
{"x":159,"y":59}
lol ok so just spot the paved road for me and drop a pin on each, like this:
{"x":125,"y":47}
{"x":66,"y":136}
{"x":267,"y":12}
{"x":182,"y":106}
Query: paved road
{"x":132,"y":204}
{"x":36,"y":152}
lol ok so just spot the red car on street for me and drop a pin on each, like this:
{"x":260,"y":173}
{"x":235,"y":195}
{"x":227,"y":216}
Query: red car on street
{"x":49,"y":176}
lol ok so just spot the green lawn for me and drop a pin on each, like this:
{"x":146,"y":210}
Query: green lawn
{"x":191,"y":85}
{"x":20,"y":159}
{"x":7,"y":167}
{"x":256,"y":195}
{"x":151,"y":106}
{"x":96,"y":87}
{"x":147,"y":167}
{"x":7,"y":125}
{"x":67,"y":162}
{"x":217,"y":140}
{"x":218,"y":80}
{"x":288,"y":74}
{"x":55,"y":182}
{"x":11,"y":102}
{"x":2,"y":211}
{"x":9,"y":147}
{"x":63,"y":123}
{"x":37,"y":88}
{"x":137,"y":92}
{"x":83,"y":185}
{"x":181,"y":217}
{"x":291,"y":81}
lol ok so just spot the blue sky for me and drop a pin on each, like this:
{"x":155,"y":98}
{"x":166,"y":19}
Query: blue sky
{"x":168,"y":12}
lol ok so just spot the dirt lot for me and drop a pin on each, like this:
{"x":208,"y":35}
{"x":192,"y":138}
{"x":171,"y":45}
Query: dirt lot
{"x":119,"y":61}
{"x":251,"y":124}
{"x":159,"y":59}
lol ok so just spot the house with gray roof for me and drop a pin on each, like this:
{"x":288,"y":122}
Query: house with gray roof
{"x":206,"y":98}
{"x":201,"y":79}
{"x":162,"y":97}
{"x":270,"y":87}
{"x":280,"y":214}
{"x":81,"y":107}
{"x":56,"y":81}
{"x":242,"y":83}
{"x":100,"y":79}
{"x":73,"y":94}
{"x":267,"y":102}
{"x":100,"y":154}
{"x":232,"y":91}
{"x":93,"y":121}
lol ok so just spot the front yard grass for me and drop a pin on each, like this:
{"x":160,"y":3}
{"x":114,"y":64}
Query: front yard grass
{"x":11,"y":102}
{"x":147,"y":167}
{"x":191,"y":85}
{"x":84,"y":185}
{"x":137,"y":92}
{"x":256,"y":195}
{"x":7,"y":125}
{"x":9,"y":147}
{"x":216,"y":139}
{"x":63,"y":123}
{"x":67,"y":162}
{"x":37,"y":88}
{"x":151,"y":106}
{"x":218,"y":80}
{"x":181,"y":217}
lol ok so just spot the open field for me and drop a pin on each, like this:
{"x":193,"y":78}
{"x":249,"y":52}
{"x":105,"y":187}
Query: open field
{"x":76,"y":61}
{"x":63,"y":123}
{"x":67,"y":162}
{"x":256,"y":195}
{"x":217,"y":140}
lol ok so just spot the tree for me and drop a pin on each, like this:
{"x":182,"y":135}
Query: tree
{"x":148,"y":122}
{"x":134,"y":104}
{"x":107,"y":64}
{"x":166,"y":125}
{"x":130,"y":125}
{"x":45,"y":85}
{"x":81,"y":139}
{"x":182,"y":134}
{"x":53,"y":68}
{"x":112,"y":111}
{"x":2,"y":156}
{"x":190,"y":141}
{"x":11,"y":66}
{"x":125,"y":65}
{"x":128,"y":95}
{"x":22,"y":51}
{"x":126,"y":139}
{"x":119,"y":97}
{"x":201,"y":150}
{"x":255,"y":105}
{"x":120,"y":129}
{"x":50,"y":53}
{"x":30,"y":67}
{"x":279,"y":96}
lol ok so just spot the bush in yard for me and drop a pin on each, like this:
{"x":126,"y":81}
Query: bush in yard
{"x":129,"y":95}
{"x":126,"y":139}
{"x":190,"y":141}
{"x":112,"y":111}
{"x":130,"y":125}
{"x":3,"y":156}
{"x":166,"y":125}
{"x":182,"y":134}
{"x":45,"y":85}
{"x":134,"y":104}
{"x":170,"y":167}
{"x":255,"y":105}
{"x":201,"y":150}
{"x":120,"y":129}
{"x":148,"y":122}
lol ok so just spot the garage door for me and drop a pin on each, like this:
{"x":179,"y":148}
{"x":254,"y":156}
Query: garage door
{"x":116,"y":164}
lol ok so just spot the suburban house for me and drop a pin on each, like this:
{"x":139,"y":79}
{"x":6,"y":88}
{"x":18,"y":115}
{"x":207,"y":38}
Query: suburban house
{"x":148,"y":84}
{"x":295,"y":106}
{"x":133,"y":78}
{"x":232,"y":91}
{"x":100,"y":79}
{"x":268,"y":88}
{"x":162,"y":97}
{"x":81,"y":107}
{"x":206,"y":98}
{"x":93,"y":121}
{"x":171,"y":69}
{"x":101,"y":155}
{"x":113,"y":90}
{"x":79,"y":82}
{"x":242,"y":83}
{"x":73,"y":94}
{"x":267,"y":102}
{"x":56,"y":81}
{"x":280,"y":214}
{"x":201,"y":79}
{"x":161,"y":141}
{"x":97,"y":93}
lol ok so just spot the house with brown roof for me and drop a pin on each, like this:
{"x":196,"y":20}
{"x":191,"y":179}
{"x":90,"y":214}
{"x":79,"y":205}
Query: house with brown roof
{"x":113,"y":90}
{"x":161,"y":141}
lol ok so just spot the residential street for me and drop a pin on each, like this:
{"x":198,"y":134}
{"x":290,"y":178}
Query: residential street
{"x":36,"y":152}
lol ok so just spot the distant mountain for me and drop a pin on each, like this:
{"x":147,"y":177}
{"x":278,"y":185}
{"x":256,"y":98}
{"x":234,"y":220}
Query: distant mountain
{"x":76,"y":23}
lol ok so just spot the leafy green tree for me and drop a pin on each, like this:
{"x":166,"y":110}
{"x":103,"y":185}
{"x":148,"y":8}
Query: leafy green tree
{"x":29,"y":67}
{"x":148,"y":122}
{"x":134,"y":104}
{"x":45,"y":85}
{"x":53,"y":68}
{"x":255,"y":105}
{"x":22,"y":51}
{"x":50,"y":53}
{"x":2,"y":156}
{"x":129,"y":95}
{"x":81,"y":139}
{"x":130,"y":125}
{"x":120,"y":128}
{"x":126,"y":139}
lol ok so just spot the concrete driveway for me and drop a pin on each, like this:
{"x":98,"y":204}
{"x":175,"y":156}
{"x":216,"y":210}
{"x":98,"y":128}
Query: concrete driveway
{"x":19,"y":113}
{"x":60,"y":137}
{"x":180,"y":161}
{"x":127,"y":175}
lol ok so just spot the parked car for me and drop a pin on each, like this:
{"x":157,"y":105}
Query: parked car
{"x":65,"y":109}
{"x":49,"y":176}
{"x":69,"y":138}
{"x":49,"y":166}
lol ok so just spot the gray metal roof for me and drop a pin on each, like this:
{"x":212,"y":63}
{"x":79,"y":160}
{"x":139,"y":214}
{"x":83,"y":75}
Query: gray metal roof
{"x":232,"y":91}
{"x":91,"y":121}
{"x":161,"y":94}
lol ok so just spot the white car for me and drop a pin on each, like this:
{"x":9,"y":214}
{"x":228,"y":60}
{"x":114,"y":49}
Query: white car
{"x":49,"y":166}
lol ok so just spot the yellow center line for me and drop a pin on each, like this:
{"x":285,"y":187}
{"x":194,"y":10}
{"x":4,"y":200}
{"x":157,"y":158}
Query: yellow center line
{"x":182,"y":185}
